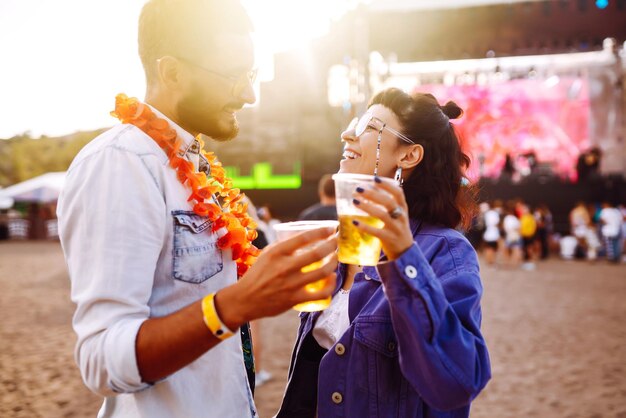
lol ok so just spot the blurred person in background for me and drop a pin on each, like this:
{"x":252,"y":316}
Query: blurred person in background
{"x":268,"y":221}
{"x":543,"y":216}
{"x":611,"y":219}
{"x":622,"y":209}
{"x":162,"y":294}
{"x":580,"y":220}
{"x":584,"y":220}
{"x":476,"y":231}
{"x":491,"y":236}
{"x":512,"y":235}
{"x":528,"y":230}
{"x":402,"y":338}
{"x":588,"y":164}
{"x":531,"y":161}
{"x":568,"y":247}
{"x":590,"y":244}
{"x":4,"y":224}
{"x":594,"y":210}
{"x":508,"y":169}
{"x":325,"y":209}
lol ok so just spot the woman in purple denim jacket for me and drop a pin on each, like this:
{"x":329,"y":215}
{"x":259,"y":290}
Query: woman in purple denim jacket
{"x":401,"y":339}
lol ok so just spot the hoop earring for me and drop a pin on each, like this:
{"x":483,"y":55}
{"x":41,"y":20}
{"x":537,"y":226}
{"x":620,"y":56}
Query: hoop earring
{"x":398,"y":176}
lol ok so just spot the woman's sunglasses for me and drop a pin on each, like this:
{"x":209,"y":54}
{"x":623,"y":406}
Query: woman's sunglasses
{"x":360,"y":125}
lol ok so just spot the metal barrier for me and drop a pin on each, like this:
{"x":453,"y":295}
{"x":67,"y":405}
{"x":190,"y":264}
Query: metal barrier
{"x":18,"y":228}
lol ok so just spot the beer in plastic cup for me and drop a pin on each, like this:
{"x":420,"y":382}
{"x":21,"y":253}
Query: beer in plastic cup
{"x":287,"y":230}
{"x":355,"y":247}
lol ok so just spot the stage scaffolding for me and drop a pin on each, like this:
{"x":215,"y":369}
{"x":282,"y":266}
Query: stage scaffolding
{"x":604,"y":71}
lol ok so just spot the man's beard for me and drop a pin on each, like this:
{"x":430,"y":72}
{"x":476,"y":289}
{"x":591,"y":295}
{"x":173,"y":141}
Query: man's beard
{"x":195,"y":118}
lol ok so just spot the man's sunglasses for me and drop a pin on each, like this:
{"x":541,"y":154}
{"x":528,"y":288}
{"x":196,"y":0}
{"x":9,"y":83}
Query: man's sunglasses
{"x":239,"y":82}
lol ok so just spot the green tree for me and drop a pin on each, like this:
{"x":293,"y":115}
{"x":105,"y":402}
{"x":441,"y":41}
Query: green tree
{"x":23,"y":157}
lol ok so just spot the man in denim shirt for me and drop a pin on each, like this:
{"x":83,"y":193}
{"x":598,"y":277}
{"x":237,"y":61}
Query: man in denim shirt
{"x":141,"y":260}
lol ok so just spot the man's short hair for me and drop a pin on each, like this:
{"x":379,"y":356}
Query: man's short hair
{"x":326,"y":186}
{"x":181,"y":28}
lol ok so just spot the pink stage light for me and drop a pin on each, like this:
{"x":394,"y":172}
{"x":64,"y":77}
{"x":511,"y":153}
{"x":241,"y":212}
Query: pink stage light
{"x":549,"y":117}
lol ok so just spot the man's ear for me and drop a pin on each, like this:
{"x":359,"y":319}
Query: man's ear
{"x":411,"y":156}
{"x":169,"y":71}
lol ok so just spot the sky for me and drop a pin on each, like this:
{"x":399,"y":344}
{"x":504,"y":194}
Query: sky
{"x":63,"y":61}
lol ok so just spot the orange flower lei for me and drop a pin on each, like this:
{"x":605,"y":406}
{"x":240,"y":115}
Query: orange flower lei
{"x":232,"y":213}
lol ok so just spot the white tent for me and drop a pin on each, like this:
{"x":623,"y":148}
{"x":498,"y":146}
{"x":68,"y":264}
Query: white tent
{"x":42,"y":189}
{"x":6,"y":202}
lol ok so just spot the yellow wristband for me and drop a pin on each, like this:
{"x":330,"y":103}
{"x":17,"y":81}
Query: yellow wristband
{"x":212,"y":320}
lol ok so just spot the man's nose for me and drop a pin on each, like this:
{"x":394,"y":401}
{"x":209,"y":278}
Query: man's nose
{"x":247,"y":94}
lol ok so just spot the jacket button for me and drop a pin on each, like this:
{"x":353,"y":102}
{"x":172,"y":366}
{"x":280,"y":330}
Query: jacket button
{"x":391,"y":346}
{"x":337,"y":397}
{"x":340,"y":349}
{"x":410,"y":271}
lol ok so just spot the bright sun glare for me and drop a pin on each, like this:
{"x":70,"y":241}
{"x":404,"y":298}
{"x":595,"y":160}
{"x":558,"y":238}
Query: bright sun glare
{"x":286,"y":24}
{"x":64,"y":61}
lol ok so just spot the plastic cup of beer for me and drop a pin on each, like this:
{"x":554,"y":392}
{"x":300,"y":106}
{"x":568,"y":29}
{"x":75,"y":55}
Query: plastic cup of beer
{"x":287,"y":230}
{"x":355,"y":247}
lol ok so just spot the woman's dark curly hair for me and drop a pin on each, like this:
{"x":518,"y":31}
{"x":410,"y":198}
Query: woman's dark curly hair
{"x":435,"y":192}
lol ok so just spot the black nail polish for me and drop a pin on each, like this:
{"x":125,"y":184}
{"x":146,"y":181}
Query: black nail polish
{"x":355,"y":222}
{"x":360,"y":190}
{"x":377,"y":179}
{"x":356,"y":202}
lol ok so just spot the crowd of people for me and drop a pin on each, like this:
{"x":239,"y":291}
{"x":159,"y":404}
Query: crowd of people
{"x":514,"y":234}
{"x":595,"y":231}
{"x":512,"y":231}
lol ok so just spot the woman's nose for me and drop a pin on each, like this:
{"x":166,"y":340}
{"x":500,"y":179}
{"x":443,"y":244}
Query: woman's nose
{"x":348,"y":135}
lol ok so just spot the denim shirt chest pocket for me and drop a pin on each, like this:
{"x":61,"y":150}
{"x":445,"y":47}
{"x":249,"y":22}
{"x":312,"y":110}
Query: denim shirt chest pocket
{"x":196,"y":256}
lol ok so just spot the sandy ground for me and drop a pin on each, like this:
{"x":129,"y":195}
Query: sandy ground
{"x":557,"y":338}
